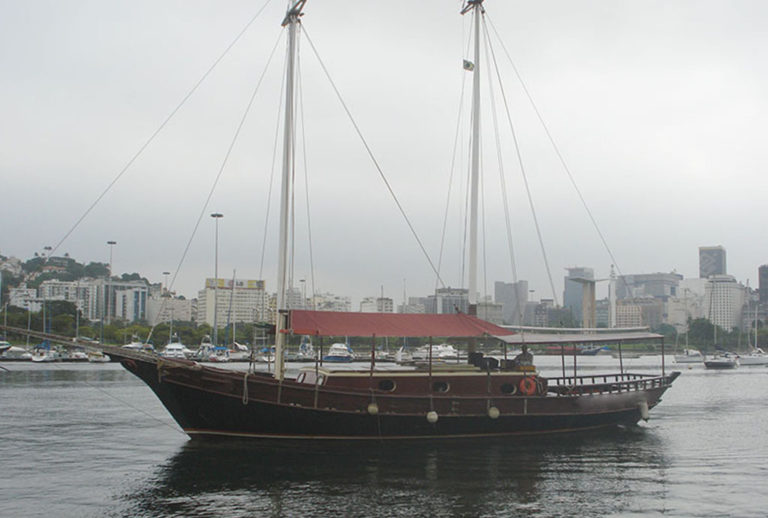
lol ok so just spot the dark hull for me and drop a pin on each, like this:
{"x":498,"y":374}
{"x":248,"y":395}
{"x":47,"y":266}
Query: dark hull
{"x":207,"y":401}
{"x":720,"y":365}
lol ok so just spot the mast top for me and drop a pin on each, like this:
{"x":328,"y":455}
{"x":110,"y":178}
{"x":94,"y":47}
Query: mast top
{"x":471,"y":4}
{"x":294,"y":12}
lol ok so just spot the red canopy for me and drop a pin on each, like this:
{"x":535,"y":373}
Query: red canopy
{"x":330,"y":323}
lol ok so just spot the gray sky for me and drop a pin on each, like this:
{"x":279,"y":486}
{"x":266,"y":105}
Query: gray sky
{"x":658,"y":107}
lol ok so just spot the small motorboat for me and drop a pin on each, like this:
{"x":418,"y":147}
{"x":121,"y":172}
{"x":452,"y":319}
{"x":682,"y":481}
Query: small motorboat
{"x":724,"y":360}
{"x":339,"y":353}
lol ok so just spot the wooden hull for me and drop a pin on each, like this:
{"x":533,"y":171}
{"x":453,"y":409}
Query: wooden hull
{"x":207,"y":401}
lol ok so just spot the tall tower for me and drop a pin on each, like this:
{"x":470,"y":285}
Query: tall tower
{"x":762,"y":274}
{"x":711,"y":261}
{"x":574,"y":289}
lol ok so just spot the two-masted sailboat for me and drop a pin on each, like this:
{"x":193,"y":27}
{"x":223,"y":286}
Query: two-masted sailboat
{"x":484,"y":397}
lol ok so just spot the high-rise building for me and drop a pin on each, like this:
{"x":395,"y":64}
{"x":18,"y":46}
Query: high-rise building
{"x":377,"y":305}
{"x":762,"y":274}
{"x":574,"y":290}
{"x":711,"y":261}
{"x":242,"y":301}
{"x":512,"y":296}
{"x":657,"y":285}
{"x":447,"y":301}
{"x":167,"y":309}
{"x":723,"y":301}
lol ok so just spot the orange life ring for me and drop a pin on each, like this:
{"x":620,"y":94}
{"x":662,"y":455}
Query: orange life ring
{"x":527,"y":386}
{"x":129,"y":364}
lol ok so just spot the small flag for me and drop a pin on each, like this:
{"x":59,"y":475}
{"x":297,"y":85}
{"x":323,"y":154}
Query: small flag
{"x":469,"y":66}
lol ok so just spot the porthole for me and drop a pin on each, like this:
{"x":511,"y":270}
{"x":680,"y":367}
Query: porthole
{"x":508,"y":388}
{"x":387,"y":385}
{"x":440,"y":386}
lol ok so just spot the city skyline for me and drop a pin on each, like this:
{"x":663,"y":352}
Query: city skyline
{"x":650,"y":143}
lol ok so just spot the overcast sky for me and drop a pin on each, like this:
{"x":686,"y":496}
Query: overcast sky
{"x":658,"y":107}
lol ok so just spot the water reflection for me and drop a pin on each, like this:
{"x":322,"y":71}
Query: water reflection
{"x":590,"y":474}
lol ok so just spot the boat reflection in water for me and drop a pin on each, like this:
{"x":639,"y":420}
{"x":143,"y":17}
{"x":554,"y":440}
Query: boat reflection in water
{"x":447,"y":478}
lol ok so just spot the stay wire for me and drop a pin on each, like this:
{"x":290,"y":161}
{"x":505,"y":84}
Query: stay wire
{"x":556,"y":148}
{"x":129,"y":405}
{"x":160,"y":128}
{"x":456,"y":148}
{"x":306,"y":190}
{"x":523,"y":171}
{"x":373,"y":159}
{"x":268,"y":204}
{"x":220,"y":172}
{"x":517,"y":309}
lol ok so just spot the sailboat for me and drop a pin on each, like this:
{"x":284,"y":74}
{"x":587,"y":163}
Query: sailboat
{"x":756,"y":356}
{"x":482,"y":398}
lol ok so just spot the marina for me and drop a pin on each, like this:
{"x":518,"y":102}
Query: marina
{"x":122,"y":396}
{"x":92,"y":440}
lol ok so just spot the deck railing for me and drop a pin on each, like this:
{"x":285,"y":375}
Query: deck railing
{"x":605,"y":383}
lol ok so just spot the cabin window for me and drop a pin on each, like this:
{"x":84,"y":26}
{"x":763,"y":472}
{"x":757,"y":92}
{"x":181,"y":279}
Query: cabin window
{"x":387,"y":385}
{"x":508,"y":388}
{"x":440,"y":386}
{"x":309,"y":378}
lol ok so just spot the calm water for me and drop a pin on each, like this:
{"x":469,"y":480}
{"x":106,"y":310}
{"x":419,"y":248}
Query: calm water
{"x":91,"y":440}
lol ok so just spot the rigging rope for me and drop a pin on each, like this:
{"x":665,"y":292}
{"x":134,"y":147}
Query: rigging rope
{"x":373,"y":158}
{"x":159,"y":129}
{"x":268,"y":204}
{"x":218,"y":176}
{"x":557,"y":152}
{"x":522,"y":170}
{"x":306,"y":191}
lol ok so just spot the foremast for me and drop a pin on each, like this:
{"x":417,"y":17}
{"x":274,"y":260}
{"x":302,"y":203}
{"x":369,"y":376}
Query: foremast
{"x":476,"y":7}
{"x":291,"y":20}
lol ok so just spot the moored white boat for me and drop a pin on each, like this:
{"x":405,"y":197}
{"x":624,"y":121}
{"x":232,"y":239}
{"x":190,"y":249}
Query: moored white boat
{"x":756,"y":357}
{"x":176,"y":350}
{"x":689,"y":356}
{"x":339,"y":353}
{"x":439,"y":352}
{"x":15,"y":353}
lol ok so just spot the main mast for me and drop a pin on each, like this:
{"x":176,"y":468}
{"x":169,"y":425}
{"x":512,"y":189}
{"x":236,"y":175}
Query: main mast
{"x":476,"y":6}
{"x":292,"y":21}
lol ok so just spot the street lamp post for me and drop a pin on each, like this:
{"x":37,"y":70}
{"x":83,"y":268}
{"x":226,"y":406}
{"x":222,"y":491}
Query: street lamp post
{"x":216,"y":216}
{"x":109,"y":279}
{"x":47,"y":254}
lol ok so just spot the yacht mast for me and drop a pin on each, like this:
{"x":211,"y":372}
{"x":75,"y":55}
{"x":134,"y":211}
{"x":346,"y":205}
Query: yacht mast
{"x":477,"y":7}
{"x":292,"y":21}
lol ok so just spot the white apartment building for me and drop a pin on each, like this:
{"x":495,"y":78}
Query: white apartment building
{"x":377,"y":305}
{"x":166,"y":309}
{"x":331,"y":302}
{"x":83,"y":293}
{"x":242,"y":301}
{"x":724,"y":301}
{"x":23,"y":297}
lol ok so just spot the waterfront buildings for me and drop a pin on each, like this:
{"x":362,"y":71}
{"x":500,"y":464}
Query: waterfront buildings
{"x":711,"y":261}
{"x":762,"y":274}
{"x":574,"y":289}
{"x":170,"y":308}
{"x":724,"y":300}
{"x":448,"y":300}
{"x":658,"y":285}
{"x":241,"y":300}
{"x":377,"y":305}
{"x":331,"y":302}
{"x":513,"y":297}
